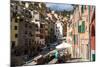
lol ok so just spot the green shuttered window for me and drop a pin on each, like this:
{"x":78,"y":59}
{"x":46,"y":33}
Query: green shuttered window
{"x":75,"y":38}
{"x":82,"y":9}
{"x":81,"y":28}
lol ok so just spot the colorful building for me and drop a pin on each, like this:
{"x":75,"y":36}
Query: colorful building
{"x":80,"y":23}
{"x":92,"y":34}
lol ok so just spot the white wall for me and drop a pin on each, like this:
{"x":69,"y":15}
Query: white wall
{"x":58,"y":29}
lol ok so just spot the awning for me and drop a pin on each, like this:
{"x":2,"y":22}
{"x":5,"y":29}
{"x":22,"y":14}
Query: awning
{"x":63,"y":45}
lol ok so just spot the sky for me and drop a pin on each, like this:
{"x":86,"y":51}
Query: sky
{"x":59,"y":6}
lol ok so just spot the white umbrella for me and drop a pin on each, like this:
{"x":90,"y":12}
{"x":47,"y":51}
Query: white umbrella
{"x":63,"y":45}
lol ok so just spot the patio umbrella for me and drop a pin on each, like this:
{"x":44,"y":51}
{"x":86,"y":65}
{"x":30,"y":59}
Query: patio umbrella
{"x":63,"y":45}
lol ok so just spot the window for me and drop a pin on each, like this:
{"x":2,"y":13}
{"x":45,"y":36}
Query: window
{"x":37,"y":35}
{"x":85,"y":7}
{"x":36,"y":20}
{"x":36,"y":25}
{"x":16,"y":35}
{"x":30,"y":42}
{"x":41,"y":36}
{"x":16,"y":7}
{"x":16,"y":20}
{"x":30,"y":16}
{"x":12,"y":44}
{"x":41,"y":25}
{"x":21,"y":20}
{"x":25,"y":51}
{"x":35,"y":4}
{"x":30,"y":34}
{"x":25,"y":25}
{"x":37,"y":29}
{"x":26,"y":42}
{"x":25,"y":32}
{"x":81,"y":28}
{"x":75,"y":38}
{"x":30,"y":27}
{"x":41,"y":30}
{"x":15,"y":27}
{"x":56,"y":30}
{"x":82,"y":8}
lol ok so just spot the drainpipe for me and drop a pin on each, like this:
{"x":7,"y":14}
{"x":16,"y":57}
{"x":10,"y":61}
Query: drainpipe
{"x":89,"y":44}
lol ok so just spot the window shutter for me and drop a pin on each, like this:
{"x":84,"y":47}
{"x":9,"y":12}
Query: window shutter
{"x":79,"y":28}
{"x":82,"y":9}
{"x":74,"y":39}
{"x":83,"y":27}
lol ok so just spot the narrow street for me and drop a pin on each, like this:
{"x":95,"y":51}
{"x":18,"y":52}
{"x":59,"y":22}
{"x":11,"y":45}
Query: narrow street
{"x":51,"y":33}
{"x":45,"y":52}
{"x":53,"y":60}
